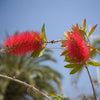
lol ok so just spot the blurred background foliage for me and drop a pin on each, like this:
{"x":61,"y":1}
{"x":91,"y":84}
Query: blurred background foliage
{"x":31,"y":70}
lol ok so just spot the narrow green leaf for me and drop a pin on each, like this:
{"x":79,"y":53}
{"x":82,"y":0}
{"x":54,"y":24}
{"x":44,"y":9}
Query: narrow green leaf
{"x":93,"y":53}
{"x":68,"y":59}
{"x":43,"y":28}
{"x":92,"y":30}
{"x":43,"y":35}
{"x":63,"y":42}
{"x":94,"y":63}
{"x":76,"y":77}
{"x":41,"y":52}
{"x":64,"y":53}
{"x":87,"y":64}
{"x":98,"y":50}
{"x":56,"y":97}
{"x":73,"y":27}
{"x":35,"y":54}
{"x":37,"y":39}
{"x":71,"y":65}
{"x":38,"y":53}
{"x":84,"y":24}
{"x":83,"y":32}
{"x":76,"y":69}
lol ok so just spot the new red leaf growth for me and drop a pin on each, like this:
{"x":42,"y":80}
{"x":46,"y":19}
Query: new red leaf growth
{"x":23,"y":43}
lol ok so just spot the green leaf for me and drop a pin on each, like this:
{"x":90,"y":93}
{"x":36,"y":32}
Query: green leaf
{"x":87,"y":64}
{"x":43,"y":35}
{"x":56,"y":97}
{"x":94,"y":63}
{"x":63,"y":42}
{"x":73,"y":27}
{"x":37,"y":39}
{"x":71,"y":65}
{"x":77,"y":68}
{"x":68,"y":59}
{"x":84,"y":24}
{"x":93,"y":53}
{"x":83,"y":32}
{"x":41,"y":52}
{"x":92,"y":30}
{"x":64,"y":53}
{"x":43,"y":28}
{"x":38,"y":53}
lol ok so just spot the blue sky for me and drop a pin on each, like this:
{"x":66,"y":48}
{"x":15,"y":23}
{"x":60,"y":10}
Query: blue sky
{"x":58,"y":16}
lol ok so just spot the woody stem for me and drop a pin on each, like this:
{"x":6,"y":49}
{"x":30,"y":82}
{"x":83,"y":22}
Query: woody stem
{"x":54,"y":41}
{"x":25,"y":84}
{"x":91,"y":82}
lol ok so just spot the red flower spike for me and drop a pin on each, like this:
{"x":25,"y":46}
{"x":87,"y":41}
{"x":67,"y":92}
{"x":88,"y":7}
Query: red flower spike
{"x":77,"y":47}
{"x":23,"y":43}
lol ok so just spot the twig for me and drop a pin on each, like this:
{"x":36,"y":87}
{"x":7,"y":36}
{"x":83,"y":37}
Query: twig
{"x":98,"y":51}
{"x":91,"y":82}
{"x":54,"y":41}
{"x":25,"y":84}
{"x":55,"y":48}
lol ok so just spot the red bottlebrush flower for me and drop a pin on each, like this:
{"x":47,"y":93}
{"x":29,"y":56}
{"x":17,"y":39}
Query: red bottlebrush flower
{"x":77,"y":47}
{"x":23,"y":43}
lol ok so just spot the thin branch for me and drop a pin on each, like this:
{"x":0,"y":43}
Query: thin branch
{"x":54,"y":41}
{"x":55,"y":47}
{"x":91,"y":82}
{"x":98,"y":51}
{"x":25,"y":84}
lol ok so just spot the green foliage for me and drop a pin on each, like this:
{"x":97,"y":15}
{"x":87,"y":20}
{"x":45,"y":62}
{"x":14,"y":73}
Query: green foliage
{"x":43,"y":35}
{"x":84,"y":24}
{"x":76,"y":76}
{"x":38,"y":53}
{"x":85,"y":29}
{"x":56,"y":97}
{"x":93,"y":53}
{"x":94,"y":63}
{"x":84,"y":33}
{"x":92,"y":30}
{"x":67,"y":57}
{"x":32,"y":71}
{"x":71,"y":65}
{"x":76,"y":68}
{"x":64,"y":53}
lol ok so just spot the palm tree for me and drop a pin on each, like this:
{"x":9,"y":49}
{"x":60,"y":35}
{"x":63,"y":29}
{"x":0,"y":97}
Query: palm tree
{"x":32,"y":71}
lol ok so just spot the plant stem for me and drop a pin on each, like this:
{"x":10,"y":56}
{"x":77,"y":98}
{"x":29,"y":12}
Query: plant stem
{"x":98,"y":51}
{"x":55,"y":48}
{"x":25,"y":84}
{"x":54,"y":41}
{"x":91,"y":82}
